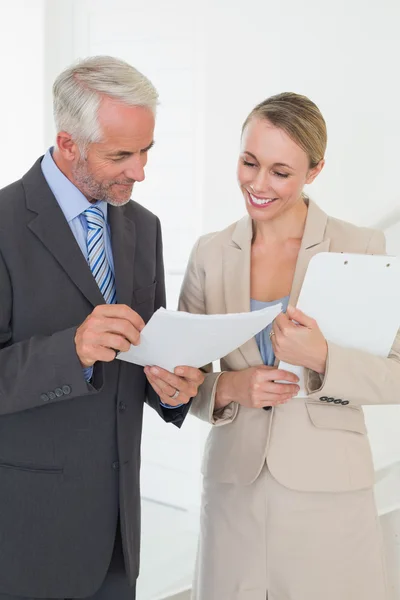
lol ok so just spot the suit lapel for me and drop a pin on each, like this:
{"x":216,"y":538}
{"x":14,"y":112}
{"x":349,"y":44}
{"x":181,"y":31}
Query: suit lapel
{"x":50,"y":226}
{"x":123,"y":241}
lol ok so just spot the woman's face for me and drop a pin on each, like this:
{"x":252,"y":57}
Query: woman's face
{"x":272,"y":170}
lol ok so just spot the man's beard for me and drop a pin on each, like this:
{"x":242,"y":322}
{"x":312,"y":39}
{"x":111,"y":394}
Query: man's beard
{"x":96,"y":190}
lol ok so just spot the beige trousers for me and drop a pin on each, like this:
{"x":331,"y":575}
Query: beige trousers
{"x":266,"y":541}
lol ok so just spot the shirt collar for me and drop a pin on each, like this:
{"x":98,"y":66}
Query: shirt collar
{"x":70,"y":199}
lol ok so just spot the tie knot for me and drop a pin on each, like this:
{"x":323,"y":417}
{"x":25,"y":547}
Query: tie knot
{"x":94,"y":217}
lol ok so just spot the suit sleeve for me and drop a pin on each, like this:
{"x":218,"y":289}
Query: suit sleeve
{"x":170,"y":415}
{"x":40,"y":370}
{"x":192,"y":300}
{"x":356,"y":376}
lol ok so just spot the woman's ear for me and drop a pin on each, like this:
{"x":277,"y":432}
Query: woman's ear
{"x":315,"y":171}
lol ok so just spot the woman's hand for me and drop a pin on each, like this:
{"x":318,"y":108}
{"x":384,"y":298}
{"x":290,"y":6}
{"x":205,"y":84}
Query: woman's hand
{"x":297,"y":340}
{"x":255,"y":387}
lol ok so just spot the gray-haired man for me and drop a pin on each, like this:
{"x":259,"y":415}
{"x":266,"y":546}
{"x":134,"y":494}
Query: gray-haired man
{"x":81,"y":271}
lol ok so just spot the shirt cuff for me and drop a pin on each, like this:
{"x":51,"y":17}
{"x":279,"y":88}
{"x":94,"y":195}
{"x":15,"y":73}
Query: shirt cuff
{"x":169,"y":405}
{"x":88,"y":373}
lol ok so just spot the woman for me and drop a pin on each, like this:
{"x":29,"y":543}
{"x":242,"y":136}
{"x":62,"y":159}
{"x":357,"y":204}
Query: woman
{"x":288,"y":510}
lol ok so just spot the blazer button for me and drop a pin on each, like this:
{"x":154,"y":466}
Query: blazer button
{"x":115,"y":465}
{"x":330,"y":399}
{"x":51,"y":395}
{"x":337,"y":401}
{"x":122,"y":407}
{"x":324,"y":398}
{"x":44,"y":398}
{"x":58,"y":392}
{"x":66,"y":389}
{"x":344,"y":402}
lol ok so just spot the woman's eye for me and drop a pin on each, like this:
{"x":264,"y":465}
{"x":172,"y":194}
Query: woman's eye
{"x":248,"y":164}
{"x":284,"y":175}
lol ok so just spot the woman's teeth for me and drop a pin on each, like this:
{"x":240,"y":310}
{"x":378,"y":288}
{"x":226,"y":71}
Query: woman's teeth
{"x":260,"y":201}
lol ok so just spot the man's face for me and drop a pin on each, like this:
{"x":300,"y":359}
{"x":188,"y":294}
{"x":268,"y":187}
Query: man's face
{"x":110,"y":167}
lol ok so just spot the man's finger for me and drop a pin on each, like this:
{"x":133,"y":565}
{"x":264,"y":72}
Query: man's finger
{"x":161,"y":385}
{"x":120,"y":311}
{"x":124,"y":328}
{"x":161,"y":375}
{"x":166,"y":399}
{"x":190,"y":373}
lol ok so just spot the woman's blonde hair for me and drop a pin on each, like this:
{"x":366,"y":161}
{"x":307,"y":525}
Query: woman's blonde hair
{"x":300,"y":118}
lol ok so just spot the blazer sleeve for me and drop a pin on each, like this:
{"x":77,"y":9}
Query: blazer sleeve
{"x":357,"y":376}
{"x":40,"y":370}
{"x":192,"y":299}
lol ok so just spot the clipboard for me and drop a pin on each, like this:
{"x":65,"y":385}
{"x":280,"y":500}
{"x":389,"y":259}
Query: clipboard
{"x":355,"y":299}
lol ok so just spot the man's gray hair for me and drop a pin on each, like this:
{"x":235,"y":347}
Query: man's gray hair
{"x":78,"y":91}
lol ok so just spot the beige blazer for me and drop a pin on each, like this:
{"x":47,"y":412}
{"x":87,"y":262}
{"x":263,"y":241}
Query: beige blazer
{"x":310,"y":444}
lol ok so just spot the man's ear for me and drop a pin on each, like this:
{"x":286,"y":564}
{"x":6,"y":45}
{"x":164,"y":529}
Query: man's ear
{"x":66,"y":146}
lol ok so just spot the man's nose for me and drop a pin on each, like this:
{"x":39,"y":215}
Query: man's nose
{"x":135,"y":169}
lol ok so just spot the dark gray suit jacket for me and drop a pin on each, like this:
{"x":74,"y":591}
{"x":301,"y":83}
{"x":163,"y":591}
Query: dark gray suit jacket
{"x":69,"y":450}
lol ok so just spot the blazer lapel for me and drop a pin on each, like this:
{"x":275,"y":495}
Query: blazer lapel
{"x":312,"y":243}
{"x":123,"y":241}
{"x":236,"y":270}
{"x":50,"y":226}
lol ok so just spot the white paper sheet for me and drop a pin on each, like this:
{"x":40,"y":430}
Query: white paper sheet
{"x":174,"y":338}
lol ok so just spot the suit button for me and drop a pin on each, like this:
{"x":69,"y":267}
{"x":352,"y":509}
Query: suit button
{"x":51,"y":395}
{"x":66,"y":389}
{"x":58,"y":392}
{"x":344,"y":402}
{"x":330,"y":399}
{"x":44,"y":398}
{"x":122,"y":407}
{"x":337,"y":401}
{"x":115,"y":465}
{"x":324,"y":398}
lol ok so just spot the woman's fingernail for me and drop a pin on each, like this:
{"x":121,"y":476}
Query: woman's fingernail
{"x":179,"y":371}
{"x":154,"y":370}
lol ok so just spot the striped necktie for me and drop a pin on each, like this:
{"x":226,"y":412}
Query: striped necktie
{"x":97,"y":256}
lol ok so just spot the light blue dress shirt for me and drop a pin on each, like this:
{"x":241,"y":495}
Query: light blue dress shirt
{"x":263,"y":340}
{"x":73,"y":203}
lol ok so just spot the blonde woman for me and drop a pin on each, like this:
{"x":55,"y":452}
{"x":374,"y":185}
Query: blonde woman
{"x":288,"y":509}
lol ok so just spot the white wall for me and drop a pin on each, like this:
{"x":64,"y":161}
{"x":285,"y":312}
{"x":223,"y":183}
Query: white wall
{"x":22,"y":79}
{"x":344,"y":55}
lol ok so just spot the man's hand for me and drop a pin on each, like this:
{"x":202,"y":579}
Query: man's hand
{"x":109,"y":329}
{"x":185,"y":380}
{"x":297,"y":340}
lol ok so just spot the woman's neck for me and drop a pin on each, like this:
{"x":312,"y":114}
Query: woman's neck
{"x":287,"y":226}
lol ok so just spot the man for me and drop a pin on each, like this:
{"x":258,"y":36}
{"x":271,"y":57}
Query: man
{"x":81,"y":272}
